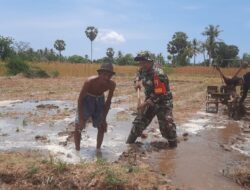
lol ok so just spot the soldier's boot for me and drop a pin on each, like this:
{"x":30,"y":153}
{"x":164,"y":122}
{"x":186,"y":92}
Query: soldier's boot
{"x":131,"y":138}
{"x":172,"y":143}
{"x":172,"y":139}
{"x":77,"y":137}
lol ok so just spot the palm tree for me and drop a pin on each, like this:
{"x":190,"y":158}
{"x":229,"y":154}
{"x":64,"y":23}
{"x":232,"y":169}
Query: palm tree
{"x":91,"y":32}
{"x":110,"y":53}
{"x":203,"y":50}
{"x":212,"y":32}
{"x":59,"y":45}
{"x":195,"y":48}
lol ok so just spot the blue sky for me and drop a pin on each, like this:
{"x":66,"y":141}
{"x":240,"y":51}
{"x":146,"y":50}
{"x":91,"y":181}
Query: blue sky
{"x":126,"y":25}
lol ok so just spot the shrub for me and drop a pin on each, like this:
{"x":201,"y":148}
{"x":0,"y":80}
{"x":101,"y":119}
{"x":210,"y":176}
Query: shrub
{"x":33,"y":73}
{"x":16,"y":65}
{"x":167,"y":69}
{"x":55,"y":74}
{"x":77,"y":59}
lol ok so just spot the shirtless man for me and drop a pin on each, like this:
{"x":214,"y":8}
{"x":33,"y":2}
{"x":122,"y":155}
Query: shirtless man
{"x":92,"y":104}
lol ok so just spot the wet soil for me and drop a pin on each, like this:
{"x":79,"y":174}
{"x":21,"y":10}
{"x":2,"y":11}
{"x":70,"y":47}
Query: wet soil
{"x":208,"y":143}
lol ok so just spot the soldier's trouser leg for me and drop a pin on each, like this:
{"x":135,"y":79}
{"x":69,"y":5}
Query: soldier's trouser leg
{"x":140,"y":123}
{"x":167,"y":125}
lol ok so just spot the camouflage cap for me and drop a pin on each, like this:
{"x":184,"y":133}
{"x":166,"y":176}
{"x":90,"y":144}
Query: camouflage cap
{"x":106,"y":67}
{"x":144,"y":56}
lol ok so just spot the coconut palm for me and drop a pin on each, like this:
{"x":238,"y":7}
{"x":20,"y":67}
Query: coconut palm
{"x":212,"y":32}
{"x":91,"y":32}
{"x":110,"y":53}
{"x":59,"y":45}
{"x":195,"y":48}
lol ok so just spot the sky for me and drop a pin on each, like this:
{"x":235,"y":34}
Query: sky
{"x":126,"y":25}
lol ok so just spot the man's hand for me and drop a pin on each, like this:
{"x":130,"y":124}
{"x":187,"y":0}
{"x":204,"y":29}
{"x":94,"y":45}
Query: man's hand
{"x":82,"y":124}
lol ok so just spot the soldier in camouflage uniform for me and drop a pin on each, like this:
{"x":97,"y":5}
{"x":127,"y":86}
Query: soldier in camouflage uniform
{"x":154,"y":104}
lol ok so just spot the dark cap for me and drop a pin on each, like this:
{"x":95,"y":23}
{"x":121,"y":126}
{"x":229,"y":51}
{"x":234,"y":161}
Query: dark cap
{"x":108,"y":67}
{"x":144,"y":56}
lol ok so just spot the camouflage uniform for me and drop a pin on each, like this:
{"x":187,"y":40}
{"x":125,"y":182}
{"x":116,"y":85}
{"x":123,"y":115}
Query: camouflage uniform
{"x":160,"y":106}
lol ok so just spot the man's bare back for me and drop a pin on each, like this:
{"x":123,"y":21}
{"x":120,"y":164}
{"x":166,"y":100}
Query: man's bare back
{"x":97,"y":86}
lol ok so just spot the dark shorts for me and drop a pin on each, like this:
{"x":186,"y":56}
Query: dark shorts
{"x":93,"y":107}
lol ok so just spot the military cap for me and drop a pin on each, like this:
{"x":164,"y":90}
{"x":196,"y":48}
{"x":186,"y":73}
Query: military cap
{"x":144,"y":56}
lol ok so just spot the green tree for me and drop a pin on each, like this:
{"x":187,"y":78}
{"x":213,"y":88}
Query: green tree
{"x":119,"y":54}
{"x":246,"y":57}
{"x":126,"y":59}
{"x":226,"y":54}
{"x":211,"y":32}
{"x":160,"y":59}
{"x":6,"y":48}
{"x":177,"y":47}
{"x":86,"y":57}
{"x":59,"y":45}
{"x":77,"y":59}
{"x":91,"y":32}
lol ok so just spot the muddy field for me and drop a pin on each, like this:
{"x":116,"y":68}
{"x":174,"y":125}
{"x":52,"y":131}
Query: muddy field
{"x":37,"y":151}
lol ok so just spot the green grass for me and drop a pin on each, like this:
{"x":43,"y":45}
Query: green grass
{"x":112,"y":178}
{"x":32,"y":171}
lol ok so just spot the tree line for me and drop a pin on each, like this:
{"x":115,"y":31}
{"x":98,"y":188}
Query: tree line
{"x":181,"y":51}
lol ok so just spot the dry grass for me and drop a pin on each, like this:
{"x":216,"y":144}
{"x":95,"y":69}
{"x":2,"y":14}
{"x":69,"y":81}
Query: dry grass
{"x":240,"y":173}
{"x":83,"y":70}
{"x":31,"y":171}
{"x":206,"y":71}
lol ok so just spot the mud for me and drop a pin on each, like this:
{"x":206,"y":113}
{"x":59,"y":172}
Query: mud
{"x":208,"y":144}
{"x":205,"y":151}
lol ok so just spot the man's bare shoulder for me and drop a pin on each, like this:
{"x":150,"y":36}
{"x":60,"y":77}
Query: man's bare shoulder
{"x":91,"y":78}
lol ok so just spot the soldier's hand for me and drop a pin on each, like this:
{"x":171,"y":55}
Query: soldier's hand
{"x":142,"y":106}
{"x":138,"y":85}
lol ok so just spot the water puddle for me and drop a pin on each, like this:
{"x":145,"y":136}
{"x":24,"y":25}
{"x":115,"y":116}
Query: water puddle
{"x":47,"y":126}
{"x":198,"y":163}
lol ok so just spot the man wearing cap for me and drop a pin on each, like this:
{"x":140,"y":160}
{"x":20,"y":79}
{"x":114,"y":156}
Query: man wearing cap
{"x":92,"y":104}
{"x":158,"y":101}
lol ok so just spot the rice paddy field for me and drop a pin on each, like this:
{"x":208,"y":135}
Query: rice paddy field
{"x":30,"y":107}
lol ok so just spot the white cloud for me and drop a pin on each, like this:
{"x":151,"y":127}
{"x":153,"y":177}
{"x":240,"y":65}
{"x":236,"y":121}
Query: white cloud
{"x":110,"y":37}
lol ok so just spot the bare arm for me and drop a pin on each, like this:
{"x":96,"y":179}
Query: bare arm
{"x":108,"y":101}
